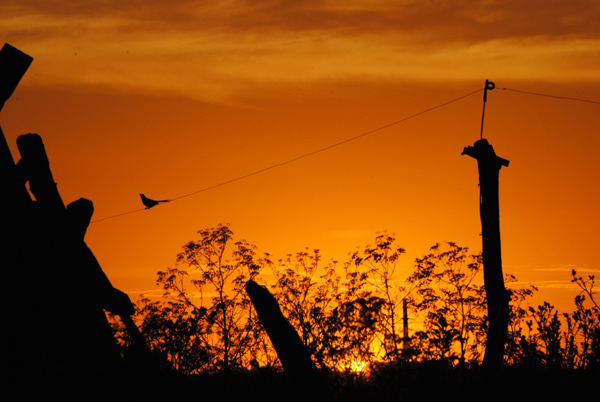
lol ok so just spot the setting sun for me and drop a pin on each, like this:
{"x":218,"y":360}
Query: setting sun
{"x":358,"y":366}
{"x":288,"y":141}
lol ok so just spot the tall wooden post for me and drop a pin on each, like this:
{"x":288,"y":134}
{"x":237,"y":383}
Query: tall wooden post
{"x":497,"y":297}
{"x":405,"y":340}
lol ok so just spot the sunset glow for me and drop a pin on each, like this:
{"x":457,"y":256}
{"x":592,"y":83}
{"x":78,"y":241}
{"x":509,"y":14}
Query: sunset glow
{"x":166,"y":100}
{"x":357,"y":366}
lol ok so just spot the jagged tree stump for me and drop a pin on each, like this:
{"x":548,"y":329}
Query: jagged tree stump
{"x":294,"y":357}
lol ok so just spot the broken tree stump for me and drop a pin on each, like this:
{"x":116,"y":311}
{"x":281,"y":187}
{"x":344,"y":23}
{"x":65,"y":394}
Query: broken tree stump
{"x":498,"y":298}
{"x":55,"y":336}
{"x":63,"y":270}
{"x":294,"y":357}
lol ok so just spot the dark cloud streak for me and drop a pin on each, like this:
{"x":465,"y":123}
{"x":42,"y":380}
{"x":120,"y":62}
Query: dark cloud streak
{"x":213,"y":49}
{"x":470,"y":21}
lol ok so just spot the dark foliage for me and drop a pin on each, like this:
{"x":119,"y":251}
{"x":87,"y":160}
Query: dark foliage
{"x":349,"y":316}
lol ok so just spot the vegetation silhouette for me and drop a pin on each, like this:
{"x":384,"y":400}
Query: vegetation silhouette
{"x":341,"y":313}
{"x":224,"y":308}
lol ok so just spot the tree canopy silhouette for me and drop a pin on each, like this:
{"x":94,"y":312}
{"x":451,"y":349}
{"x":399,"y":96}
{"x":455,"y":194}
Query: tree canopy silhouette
{"x":348,"y":315}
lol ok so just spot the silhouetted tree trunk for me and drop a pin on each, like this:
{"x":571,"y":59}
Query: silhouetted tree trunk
{"x":79,"y":287}
{"x":294,"y":357}
{"x":54,"y":290}
{"x":497,"y":297}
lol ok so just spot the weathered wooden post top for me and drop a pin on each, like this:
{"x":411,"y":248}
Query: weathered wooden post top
{"x":483,"y":150}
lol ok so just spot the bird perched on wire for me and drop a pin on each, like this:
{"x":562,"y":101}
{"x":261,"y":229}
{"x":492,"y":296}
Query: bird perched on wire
{"x":149,"y":203}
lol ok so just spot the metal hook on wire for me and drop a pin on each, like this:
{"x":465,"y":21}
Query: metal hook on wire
{"x":488,"y":85}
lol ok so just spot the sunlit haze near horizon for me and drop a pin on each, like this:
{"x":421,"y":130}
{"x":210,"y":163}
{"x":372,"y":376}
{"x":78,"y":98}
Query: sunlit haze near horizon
{"x":167,"y":99}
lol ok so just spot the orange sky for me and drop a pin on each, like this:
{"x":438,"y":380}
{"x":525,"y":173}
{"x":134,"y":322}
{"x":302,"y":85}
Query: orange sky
{"x":167,"y":99}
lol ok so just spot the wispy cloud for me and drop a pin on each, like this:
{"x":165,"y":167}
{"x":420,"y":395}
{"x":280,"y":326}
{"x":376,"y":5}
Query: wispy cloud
{"x":567,"y":268}
{"x":216,"y":49}
{"x":557,"y":285}
{"x":135,"y":293}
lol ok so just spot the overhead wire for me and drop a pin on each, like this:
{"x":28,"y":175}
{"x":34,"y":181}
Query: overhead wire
{"x":550,"y":96}
{"x":337,"y":144}
{"x":116,"y":216}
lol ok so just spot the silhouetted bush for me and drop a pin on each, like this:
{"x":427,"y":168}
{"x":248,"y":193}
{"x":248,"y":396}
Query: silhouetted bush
{"x":348,"y":315}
